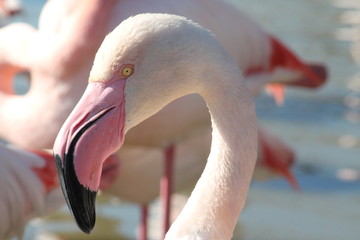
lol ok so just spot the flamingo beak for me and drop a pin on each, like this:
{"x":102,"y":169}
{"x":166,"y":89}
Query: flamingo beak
{"x":312,"y":75}
{"x":93,"y":131}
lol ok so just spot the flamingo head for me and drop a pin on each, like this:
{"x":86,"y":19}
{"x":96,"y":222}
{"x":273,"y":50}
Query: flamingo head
{"x":139,"y":68}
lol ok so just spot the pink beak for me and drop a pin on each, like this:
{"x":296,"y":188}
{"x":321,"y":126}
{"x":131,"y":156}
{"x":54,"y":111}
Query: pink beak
{"x":93,"y":131}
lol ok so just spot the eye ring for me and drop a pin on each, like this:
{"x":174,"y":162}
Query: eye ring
{"x":127,"y":70}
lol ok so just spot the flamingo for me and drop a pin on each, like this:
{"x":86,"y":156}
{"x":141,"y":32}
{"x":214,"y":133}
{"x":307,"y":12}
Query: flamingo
{"x":27,"y":183}
{"x":145,"y":63}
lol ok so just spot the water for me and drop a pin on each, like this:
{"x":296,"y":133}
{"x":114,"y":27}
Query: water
{"x":320,"y":125}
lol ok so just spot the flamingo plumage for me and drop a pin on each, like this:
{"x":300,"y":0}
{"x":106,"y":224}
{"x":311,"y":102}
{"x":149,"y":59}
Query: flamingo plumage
{"x":27,"y":181}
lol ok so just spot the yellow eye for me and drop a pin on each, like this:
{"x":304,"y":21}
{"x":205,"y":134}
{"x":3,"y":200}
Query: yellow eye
{"x":126,"y":71}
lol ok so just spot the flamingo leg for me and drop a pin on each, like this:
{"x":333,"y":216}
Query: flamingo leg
{"x":166,"y":187}
{"x":143,"y":223}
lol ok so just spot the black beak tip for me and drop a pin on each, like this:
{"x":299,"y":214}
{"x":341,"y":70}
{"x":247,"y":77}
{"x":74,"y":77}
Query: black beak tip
{"x":85,"y":225}
{"x":82,"y":206}
{"x":80,"y":200}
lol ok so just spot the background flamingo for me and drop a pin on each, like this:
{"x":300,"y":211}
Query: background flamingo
{"x":59,"y":56}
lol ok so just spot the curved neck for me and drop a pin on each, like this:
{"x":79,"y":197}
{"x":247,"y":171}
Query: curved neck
{"x":215,"y":204}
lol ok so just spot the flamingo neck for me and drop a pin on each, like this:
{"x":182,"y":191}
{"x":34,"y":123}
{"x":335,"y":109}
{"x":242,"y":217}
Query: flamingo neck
{"x":215,"y":204}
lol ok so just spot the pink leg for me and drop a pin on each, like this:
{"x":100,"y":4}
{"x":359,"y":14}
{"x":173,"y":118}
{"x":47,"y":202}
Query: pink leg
{"x":166,"y":187}
{"x":143,"y":223}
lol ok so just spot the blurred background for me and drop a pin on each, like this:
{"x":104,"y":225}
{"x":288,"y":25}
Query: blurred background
{"x":322,"y":126}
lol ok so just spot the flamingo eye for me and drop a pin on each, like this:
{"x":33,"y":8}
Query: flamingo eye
{"x":127,"y":71}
